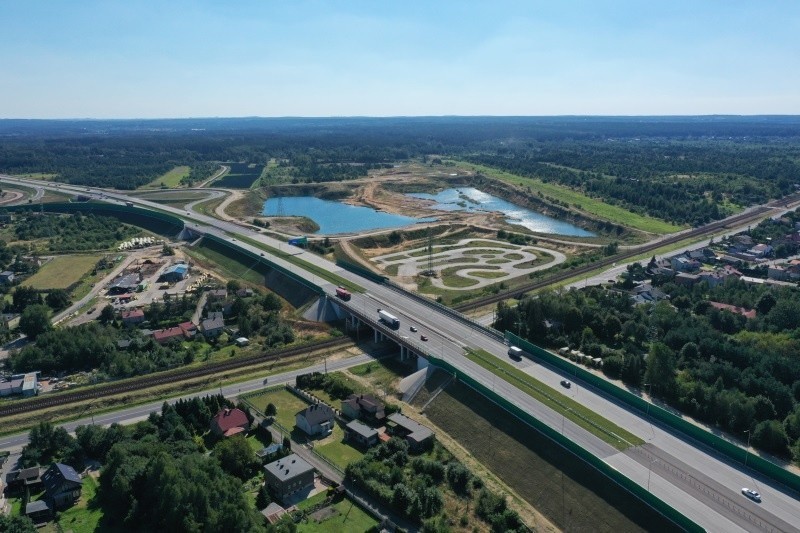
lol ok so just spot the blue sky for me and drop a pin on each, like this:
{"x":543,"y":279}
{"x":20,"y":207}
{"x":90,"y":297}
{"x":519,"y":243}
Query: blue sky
{"x":175,"y":58}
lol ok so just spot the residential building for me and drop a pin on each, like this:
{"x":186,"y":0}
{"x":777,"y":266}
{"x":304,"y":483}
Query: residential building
{"x":164,"y":336}
{"x":229,"y":422}
{"x":365,"y":407}
{"x":360,"y":434}
{"x":62,"y":486}
{"x":132,"y":317}
{"x":747,"y":313}
{"x":6,"y":277}
{"x":418,"y":436}
{"x":39,"y":511}
{"x":289,"y":475}
{"x":684,"y":264}
{"x":316,"y":419}
{"x":687,"y":280}
{"x":760,"y":250}
{"x":188,"y":328}
{"x":29,"y":478}
{"x":213,"y":325}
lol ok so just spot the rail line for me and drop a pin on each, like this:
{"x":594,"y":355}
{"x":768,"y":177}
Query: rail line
{"x":627,"y":254}
{"x":160,"y":378}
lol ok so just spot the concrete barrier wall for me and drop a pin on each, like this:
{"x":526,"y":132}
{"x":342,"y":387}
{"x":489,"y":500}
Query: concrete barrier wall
{"x":640,"y":492}
{"x":728,"y":449}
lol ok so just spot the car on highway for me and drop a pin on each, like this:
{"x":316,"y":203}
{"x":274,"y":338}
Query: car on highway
{"x":566,"y":384}
{"x":750,"y":493}
{"x":413,"y":329}
{"x":423,"y":338}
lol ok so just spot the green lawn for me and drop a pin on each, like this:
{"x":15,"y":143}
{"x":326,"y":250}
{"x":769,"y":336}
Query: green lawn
{"x":62,"y":271}
{"x":594,"y":206}
{"x":578,"y":413}
{"x":287,"y":403}
{"x":382,"y":373}
{"x":349,"y":517}
{"x":230,"y":267}
{"x":85,"y":515}
{"x":171,"y":179}
{"x":339,"y":453}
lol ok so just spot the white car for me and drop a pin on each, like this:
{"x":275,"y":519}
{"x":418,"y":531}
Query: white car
{"x":750,"y":493}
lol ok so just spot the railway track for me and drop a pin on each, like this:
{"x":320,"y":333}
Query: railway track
{"x":152,"y":380}
{"x":736,"y":220}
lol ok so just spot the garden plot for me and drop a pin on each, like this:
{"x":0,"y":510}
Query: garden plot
{"x":471,"y":263}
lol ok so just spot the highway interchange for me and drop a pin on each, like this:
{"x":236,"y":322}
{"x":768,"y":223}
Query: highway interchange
{"x":698,"y":483}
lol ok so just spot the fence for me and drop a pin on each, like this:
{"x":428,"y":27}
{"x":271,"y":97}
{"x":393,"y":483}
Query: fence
{"x":641,"y":493}
{"x":728,"y":449}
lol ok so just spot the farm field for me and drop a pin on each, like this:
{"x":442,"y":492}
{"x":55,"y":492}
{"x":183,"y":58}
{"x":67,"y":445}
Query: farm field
{"x":568,"y":492}
{"x":594,"y":206}
{"x":241,"y":176}
{"x":62,"y":271}
{"x":171,"y":179}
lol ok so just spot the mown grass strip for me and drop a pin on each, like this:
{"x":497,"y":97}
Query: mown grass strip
{"x":593,"y":206}
{"x":305,"y":265}
{"x":592,"y":422}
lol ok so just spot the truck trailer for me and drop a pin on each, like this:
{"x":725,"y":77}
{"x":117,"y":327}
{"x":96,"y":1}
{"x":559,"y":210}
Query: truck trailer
{"x":388,"y":319}
{"x":342,"y":293}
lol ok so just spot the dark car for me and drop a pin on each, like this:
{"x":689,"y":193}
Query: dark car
{"x":566,"y":384}
{"x":413,"y":329}
{"x":423,"y":338}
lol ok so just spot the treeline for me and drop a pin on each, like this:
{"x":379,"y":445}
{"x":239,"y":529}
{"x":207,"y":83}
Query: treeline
{"x":413,"y":488}
{"x":157,"y":474}
{"x":78,"y":232}
{"x":739,"y":374}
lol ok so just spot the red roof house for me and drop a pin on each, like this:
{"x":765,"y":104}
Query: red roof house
{"x":164,"y":336}
{"x":747,"y":313}
{"x":229,"y":422}
{"x":134,"y":316}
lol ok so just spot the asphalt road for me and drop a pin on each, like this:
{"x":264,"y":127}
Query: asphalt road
{"x":779,"y":510}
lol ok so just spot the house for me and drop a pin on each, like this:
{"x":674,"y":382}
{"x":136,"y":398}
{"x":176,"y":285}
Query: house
{"x":29,"y":478}
{"x":415,"y":434}
{"x":167,"y":335}
{"x":217,"y":294}
{"x":213,"y":325}
{"x":273,"y":512}
{"x":646,"y":293}
{"x":712,"y":278}
{"x":360,"y":434}
{"x":747,"y":313}
{"x":364,"y":407}
{"x":269,"y":451}
{"x":175,"y":273}
{"x":39,"y":511}
{"x":62,"y":486}
{"x":124,"y":284}
{"x":6,"y":277}
{"x":289,"y":475}
{"x":684,"y":264}
{"x":687,"y":280}
{"x":188,"y":328}
{"x":133,"y":317}
{"x":778,"y":272}
{"x":229,"y":422}
{"x":760,"y":250}
{"x":315,"y":419}
{"x":244,"y":293}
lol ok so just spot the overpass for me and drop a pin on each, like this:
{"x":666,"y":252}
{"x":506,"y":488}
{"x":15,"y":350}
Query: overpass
{"x":699,"y":483}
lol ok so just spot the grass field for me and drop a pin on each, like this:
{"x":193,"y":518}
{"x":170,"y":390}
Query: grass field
{"x":170,"y":180}
{"x":594,"y":206}
{"x":230,"y":267}
{"x":338,"y":452}
{"x":574,"y":411}
{"x":62,"y":271}
{"x":287,"y":404}
{"x":84,"y":516}
{"x":348,"y":517}
{"x":571,"y":494}
{"x":382,"y":374}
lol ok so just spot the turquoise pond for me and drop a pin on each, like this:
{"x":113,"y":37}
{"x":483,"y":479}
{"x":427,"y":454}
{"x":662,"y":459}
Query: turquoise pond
{"x":468,"y":198}
{"x":336,"y":217}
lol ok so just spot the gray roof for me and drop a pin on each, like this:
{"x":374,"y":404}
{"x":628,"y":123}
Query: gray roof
{"x":213,"y":322}
{"x":58,"y":473}
{"x":37,"y":506}
{"x":417,"y":431}
{"x":271,"y":509}
{"x":288,"y":467}
{"x":362,"y":429}
{"x":319,"y":412}
{"x":126,"y":282}
{"x":269,"y":450}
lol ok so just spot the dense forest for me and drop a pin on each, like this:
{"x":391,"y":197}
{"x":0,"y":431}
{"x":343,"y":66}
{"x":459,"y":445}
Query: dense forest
{"x":740,"y":374}
{"x":68,"y":233}
{"x":681,"y":169}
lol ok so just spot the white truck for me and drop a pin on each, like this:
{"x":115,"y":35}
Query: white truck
{"x":515,"y":353}
{"x":388,"y":319}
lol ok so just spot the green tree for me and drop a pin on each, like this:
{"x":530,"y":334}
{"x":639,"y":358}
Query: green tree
{"x":106,"y":314}
{"x":35,"y":320}
{"x":237,"y":457}
{"x":24,"y":297}
{"x":16,"y":524}
{"x":57,"y":299}
{"x":46,"y":443}
{"x":271,"y":409}
{"x":769,"y":435}
{"x":660,"y":370}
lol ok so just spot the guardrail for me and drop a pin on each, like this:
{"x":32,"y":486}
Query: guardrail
{"x":620,"y":479}
{"x":727,"y":449}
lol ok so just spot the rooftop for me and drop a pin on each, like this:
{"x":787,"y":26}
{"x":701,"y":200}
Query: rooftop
{"x":362,"y":429}
{"x":288,"y":467}
{"x":416,"y":431}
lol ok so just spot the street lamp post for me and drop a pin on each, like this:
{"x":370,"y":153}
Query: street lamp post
{"x":649,"y":396}
{"x":747,"y":451}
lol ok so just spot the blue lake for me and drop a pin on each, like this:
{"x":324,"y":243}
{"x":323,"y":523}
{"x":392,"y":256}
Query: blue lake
{"x":468,"y":198}
{"x":335,"y":217}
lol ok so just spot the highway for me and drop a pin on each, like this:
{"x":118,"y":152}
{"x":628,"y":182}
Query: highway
{"x":696,"y":482}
